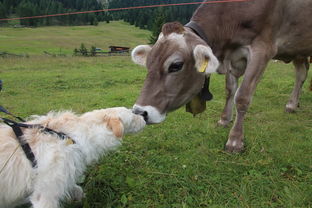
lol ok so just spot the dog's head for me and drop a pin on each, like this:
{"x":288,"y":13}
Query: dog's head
{"x":120,"y":120}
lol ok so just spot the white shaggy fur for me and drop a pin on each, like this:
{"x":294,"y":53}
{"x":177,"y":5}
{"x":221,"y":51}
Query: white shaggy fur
{"x":59,"y":163}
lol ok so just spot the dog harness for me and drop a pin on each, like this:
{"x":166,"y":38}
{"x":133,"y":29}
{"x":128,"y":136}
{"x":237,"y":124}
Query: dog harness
{"x":16,"y":127}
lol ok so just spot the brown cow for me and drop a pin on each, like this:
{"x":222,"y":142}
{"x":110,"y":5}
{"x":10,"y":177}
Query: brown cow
{"x":243,"y":37}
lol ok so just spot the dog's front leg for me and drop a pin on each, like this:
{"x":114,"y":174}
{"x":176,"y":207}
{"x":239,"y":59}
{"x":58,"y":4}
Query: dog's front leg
{"x":76,"y":193}
{"x":51,"y":186}
{"x":43,"y":200}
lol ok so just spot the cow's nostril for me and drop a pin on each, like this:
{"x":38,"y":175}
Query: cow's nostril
{"x":145,"y":115}
{"x":141,"y":113}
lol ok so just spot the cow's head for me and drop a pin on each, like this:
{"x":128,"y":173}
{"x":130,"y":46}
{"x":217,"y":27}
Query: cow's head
{"x":177,"y":66}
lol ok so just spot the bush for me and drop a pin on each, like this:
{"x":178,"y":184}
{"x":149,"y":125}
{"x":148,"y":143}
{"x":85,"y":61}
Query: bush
{"x":76,"y":52}
{"x":83,"y":50}
{"x":93,"y":51}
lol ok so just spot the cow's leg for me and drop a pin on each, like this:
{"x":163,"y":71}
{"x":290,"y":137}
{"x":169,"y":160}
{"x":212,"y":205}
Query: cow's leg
{"x":235,"y":65}
{"x":231,"y":87}
{"x":301,"y":68}
{"x":259,"y":57}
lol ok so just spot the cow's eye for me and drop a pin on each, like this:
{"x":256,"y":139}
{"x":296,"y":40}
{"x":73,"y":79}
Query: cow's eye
{"x":174,"y":67}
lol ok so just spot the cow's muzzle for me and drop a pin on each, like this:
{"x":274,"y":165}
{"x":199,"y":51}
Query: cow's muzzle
{"x":140,"y":112}
{"x":150,"y":114}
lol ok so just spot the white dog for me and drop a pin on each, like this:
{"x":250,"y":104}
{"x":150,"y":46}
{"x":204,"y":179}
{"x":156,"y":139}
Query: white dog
{"x":59,"y":162}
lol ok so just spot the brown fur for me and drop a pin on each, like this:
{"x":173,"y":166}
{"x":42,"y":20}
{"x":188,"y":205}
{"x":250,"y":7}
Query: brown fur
{"x":172,"y":27}
{"x":116,"y":126}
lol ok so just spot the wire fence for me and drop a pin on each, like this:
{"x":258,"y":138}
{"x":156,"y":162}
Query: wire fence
{"x":126,"y":8}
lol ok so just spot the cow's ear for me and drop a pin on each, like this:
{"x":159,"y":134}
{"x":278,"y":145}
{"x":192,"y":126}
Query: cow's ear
{"x":205,"y":61}
{"x":140,"y":53}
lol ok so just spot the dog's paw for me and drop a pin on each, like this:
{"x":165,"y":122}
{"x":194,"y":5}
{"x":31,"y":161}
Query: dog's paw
{"x":77,"y":193}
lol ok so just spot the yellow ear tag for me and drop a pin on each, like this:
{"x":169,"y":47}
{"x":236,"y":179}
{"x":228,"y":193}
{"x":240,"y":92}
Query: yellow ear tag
{"x":69,"y":141}
{"x":204,"y":66}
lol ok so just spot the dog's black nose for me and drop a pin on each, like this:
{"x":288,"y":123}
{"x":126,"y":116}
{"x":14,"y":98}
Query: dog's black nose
{"x":140,"y":112}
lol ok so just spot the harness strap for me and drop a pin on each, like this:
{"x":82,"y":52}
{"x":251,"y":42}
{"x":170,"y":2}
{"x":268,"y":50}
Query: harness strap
{"x":11,"y":123}
{"x":3,"y":110}
{"x":44,"y":129}
{"x":16,"y":127}
{"x":25,"y":146}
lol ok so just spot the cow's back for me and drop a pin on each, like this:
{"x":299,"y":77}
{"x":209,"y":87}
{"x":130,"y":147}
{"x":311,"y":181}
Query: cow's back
{"x":286,"y":23}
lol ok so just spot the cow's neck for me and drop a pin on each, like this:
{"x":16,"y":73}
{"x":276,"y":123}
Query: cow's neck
{"x":198,"y":30}
{"x":215,"y":45}
{"x":214,"y":42}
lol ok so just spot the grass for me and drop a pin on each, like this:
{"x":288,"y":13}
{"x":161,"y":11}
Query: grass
{"x":179,"y":163}
{"x":34,"y":41}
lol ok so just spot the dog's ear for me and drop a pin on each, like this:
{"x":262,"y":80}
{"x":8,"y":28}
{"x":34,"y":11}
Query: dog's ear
{"x":116,"y":126}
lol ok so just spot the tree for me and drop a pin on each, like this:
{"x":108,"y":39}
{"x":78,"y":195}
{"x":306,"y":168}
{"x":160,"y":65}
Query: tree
{"x":159,"y":21}
{"x":27,"y":9}
{"x":95,"y":22}
{"x":2,"y":12}
{"x":152,"y":18}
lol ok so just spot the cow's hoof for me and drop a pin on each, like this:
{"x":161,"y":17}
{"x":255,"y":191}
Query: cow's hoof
{"x":291,"y":108}
{"x":234,"y":146}
{"x":224,"y":123}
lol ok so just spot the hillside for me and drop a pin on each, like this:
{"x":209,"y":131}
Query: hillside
{"x":53,"y":39}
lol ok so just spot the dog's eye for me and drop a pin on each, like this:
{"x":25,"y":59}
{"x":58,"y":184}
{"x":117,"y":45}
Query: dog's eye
{"x":175,"y":67}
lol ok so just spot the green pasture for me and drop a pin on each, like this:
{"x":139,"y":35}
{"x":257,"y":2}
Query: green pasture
{"x":64,"y":39}
{"x":179,"y":163}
